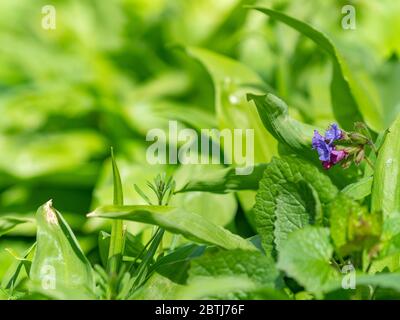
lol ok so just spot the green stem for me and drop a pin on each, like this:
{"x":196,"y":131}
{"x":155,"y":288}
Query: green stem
{"x":369,"y":163}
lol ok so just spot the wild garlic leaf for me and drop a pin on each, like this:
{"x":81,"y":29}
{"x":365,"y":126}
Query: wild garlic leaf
{"x":232,"y":80}
{"x":59,"y":267}
{"x":217,"y":208}
{"x":292,"y":194}
{"x":176,"y":220}
{"x":48,"y":154}
{"x":157,"y":287}
{"x":223,"y":180}
{"x":218,"y":287}
{"x":306,"y":256}
{"x":349,"y":101}
{"x":253,"y":270}
{"x":352,"y":227}
{"x":386,"y":185}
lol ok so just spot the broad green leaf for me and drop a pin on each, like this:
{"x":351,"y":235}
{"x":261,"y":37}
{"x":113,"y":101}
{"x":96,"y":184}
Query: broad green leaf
{"x":215,"y":287}
{"x":8,"y":223}
{"x":44,"y":154}
{"x":190,"y":225}
{"x":349,"y":101}
{"x":306,"y":256}
{"x":216,"y":208}
{"x":389,"y":263}
{"x":389,"y":247}
{"x":352,"y":227}
{"x":254,"y":265}
{"x":386,"y":184}
{"x":232,"y":80}
{"x":223,"y":180}
{"x":156,"y":287}
{"x":59,"y":266}
{"x":292,"y":195}
{"x":274,"y":114}
{"x":378,"y":282}
{"x":359,"y":190}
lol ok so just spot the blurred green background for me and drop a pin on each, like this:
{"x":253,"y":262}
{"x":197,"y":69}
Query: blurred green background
{"x":111,"y":71}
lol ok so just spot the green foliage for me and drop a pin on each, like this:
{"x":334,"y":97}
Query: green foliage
{"x":178,"y":221}
{"x":110,"y":72}
{"x":59,"y":268}
{"x":386,"y":185}
{"x":309,"y":251}
{"x":353,"y":228}
{"x":292,"y":194}
{"x":349,"y":102}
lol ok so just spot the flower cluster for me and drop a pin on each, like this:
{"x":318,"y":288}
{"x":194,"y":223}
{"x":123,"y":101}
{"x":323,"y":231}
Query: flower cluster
{"x":327,"y":151}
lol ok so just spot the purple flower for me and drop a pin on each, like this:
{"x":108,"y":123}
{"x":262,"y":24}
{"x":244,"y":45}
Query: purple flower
{"x":333,"y":133}
{"x":327,"y":152}
{"x":327,"y":164}
{"x":324,"y":150}
{"x":338,"y":155}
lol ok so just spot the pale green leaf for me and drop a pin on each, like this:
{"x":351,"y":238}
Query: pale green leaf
{"x":59,"y":266}
{"x":190,"y":225}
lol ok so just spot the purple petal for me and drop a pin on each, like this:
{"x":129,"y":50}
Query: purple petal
{"x":337,"y":156}
{"x":324,"y":151}
{"x":317,"y":140}
{"x":333,"y":133}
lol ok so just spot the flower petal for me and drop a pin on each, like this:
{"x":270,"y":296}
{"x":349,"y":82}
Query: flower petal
{"x":333,"y":133}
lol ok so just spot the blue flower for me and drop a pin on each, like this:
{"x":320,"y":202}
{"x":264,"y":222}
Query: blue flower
{"x":333,"y":133}
{"x":324,"y":149}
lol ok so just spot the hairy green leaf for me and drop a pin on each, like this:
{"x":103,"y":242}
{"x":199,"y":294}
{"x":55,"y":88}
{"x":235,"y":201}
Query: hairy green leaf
{"x":253,"y":265}
{"x":291,"y":196}
{"x":306,"y":256}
